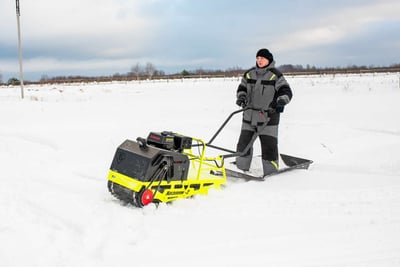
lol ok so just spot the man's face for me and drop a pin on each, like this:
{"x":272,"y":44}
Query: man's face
{"x":262,"y":62}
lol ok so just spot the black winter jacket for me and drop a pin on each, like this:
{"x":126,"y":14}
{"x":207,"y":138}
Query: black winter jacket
{"x":262,"y":86}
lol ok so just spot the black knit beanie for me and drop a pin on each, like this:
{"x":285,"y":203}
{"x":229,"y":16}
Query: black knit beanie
{"x":266,"y":54}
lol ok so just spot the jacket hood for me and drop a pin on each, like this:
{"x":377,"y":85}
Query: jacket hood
{"x":270,"y":65}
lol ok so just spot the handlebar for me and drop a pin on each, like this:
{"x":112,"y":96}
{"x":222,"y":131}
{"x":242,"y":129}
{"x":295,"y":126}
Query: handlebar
{"x":235,"y":153}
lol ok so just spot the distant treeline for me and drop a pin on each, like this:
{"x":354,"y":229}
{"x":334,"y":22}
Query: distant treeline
{"x":149,"y":72}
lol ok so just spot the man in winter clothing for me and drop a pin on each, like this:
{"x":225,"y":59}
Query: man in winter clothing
{"x":263,"y":87}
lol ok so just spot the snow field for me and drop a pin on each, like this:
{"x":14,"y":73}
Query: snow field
{"x":57,"y":145}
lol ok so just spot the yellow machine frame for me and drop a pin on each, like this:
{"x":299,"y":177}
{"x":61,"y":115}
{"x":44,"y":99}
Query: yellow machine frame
{"x":201,"y":177}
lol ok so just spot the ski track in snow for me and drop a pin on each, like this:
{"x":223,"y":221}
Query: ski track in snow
{"x":58,"y":143}
{"x":34,"y":140}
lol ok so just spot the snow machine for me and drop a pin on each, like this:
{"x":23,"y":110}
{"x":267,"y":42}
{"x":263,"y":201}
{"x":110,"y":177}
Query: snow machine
{"x":162,"y":168}
{"x":167,"y":166}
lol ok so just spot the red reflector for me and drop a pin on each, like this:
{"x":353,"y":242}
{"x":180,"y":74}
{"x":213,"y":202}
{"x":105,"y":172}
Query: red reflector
{"x":147,"y":197}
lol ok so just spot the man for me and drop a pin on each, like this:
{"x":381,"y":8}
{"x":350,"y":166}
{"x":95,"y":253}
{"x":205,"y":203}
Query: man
{"x":263,"y":87}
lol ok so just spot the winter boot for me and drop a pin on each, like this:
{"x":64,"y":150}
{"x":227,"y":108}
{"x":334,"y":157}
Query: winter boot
{"x":243,"y":163}
{"x":269,"y":167}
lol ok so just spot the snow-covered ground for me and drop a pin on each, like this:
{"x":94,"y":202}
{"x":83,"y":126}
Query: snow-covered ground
{"x":57,"y":144}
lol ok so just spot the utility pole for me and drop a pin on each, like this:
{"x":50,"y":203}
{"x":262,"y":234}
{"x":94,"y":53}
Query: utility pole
{"x":21,"y":75}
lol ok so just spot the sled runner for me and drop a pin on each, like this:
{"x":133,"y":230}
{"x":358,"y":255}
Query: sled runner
{"x":292,"y":163}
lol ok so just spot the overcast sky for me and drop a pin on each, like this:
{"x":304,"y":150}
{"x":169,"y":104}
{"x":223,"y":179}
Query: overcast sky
{"x":104,"y":37}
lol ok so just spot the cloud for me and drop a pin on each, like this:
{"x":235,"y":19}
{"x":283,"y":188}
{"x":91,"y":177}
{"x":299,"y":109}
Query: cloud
{"x":110,"y":36}
{"x":35,"y":68}
{"x":75,"y":17}
{"x":343,"y":23}
{"x":99,"y":27}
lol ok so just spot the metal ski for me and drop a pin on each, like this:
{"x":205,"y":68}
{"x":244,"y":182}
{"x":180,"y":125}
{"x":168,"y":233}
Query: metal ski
{"x":291,"y":162}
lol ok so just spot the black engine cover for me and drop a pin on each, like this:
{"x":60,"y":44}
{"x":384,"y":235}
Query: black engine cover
{"x":141,"y":163}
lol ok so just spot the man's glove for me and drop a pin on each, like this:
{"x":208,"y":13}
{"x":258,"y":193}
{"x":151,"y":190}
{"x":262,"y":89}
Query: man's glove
{"x":281,"y":102}
{"x":241,"y":101}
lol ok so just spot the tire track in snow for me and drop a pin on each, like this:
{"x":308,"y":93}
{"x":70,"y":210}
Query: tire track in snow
{"x":31,"y":138}
{"x":379,"y":131}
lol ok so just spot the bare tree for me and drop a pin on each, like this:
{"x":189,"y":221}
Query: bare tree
{"x":150,"y":69}
{"x":44,"y":78}
{"x":135,"y":70}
